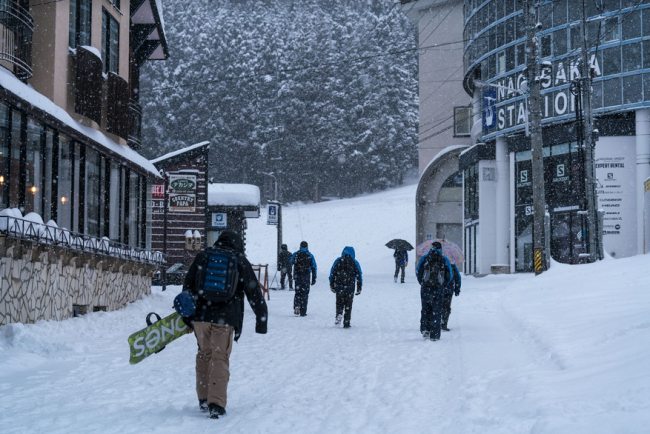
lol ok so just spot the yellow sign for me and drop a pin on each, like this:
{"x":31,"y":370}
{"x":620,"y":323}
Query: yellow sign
{"x":646,"y":186}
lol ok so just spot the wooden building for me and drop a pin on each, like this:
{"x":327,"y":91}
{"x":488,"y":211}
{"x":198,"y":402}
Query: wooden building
{"x":185,"y":173}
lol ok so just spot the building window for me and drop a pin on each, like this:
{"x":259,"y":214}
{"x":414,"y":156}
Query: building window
{"x":64,"y":207}
{"x":4,"y":156}
{"x":462,"y":121}
{"x":521,"y":54}
{"x":611,"y":30}
{"x":471,"y":192}
{"x":33,"y":168}
{"x":92,"y":196}
{"x":14,"y":159}
{"x":134,"y":210}
{"x":546,"y":45}
{"x":80,"y":22}
{"x":501,"y":62}
{"x":48,"y":175}
{"x":575,"y":36}
{"x":115,"y":201}
{"x":110,"y":42}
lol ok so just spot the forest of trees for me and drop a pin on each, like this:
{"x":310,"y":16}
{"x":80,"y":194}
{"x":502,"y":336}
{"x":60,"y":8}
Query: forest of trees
{"x":322,"y":93}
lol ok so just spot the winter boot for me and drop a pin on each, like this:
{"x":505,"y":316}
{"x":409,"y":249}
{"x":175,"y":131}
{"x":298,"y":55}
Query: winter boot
{"x":216,"y":411}
{"x":444,"y":327}
{"x":203,"y":404}
{"x":395,"y":279}
{"x":346,"y":326}
{"x":296,"y":311}
{"x":339,"y":317}
{"x":425,"y":335}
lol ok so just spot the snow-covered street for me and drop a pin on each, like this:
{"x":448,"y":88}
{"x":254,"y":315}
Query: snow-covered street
{"x":563,"y":352}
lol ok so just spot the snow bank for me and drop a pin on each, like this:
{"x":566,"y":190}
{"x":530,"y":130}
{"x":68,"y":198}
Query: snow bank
{"x":233,"y":194}
{"x":178,"y":152}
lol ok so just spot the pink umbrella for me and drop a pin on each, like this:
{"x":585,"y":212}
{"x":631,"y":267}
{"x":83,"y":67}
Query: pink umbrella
{"x":449,"y":249}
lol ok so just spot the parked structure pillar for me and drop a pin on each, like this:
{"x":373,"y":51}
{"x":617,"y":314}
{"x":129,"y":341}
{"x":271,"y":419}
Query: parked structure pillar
{"x":502,"y":207}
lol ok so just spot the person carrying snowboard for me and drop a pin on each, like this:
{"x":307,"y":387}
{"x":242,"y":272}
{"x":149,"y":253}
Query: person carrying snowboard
{"x":284,"y":266}
{"x":218,"y":280}
{"x":344,"y":274}
{"x":304,"y":267}
{"x":453,"y":288}
{"x":401,"y":261}
{"x":434,"y":274}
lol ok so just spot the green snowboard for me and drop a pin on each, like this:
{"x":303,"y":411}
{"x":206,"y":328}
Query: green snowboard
{"x":155,"y":336}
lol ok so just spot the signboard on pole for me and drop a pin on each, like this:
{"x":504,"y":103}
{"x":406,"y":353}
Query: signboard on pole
{"x":182,"y":202}
{"x":219,"y":220}
{"x":182,"y":193}
{"x":273,"y":215}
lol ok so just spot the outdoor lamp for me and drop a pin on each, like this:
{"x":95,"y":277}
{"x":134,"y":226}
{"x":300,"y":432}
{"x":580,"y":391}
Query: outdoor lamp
{"x":63,"y":199}
{"x":33,"y":190}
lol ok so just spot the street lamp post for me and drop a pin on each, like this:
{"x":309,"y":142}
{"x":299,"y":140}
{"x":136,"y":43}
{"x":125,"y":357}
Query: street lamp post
{"x":279,"y":205}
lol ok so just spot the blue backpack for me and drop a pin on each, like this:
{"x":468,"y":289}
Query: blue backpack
{"x":220,"y":275}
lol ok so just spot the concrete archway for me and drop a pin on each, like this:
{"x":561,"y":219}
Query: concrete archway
{"x":438,"y":200}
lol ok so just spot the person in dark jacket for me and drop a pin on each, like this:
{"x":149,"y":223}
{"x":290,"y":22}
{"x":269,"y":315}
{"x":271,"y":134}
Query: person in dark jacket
{"x":215,"y":323}
{"x":450,"y":290}
{"x":401,"y":261}
{"x":304,"y":267}
{"x":434,"y":274}
{"x":343,"y":276}
{"x":284,"y":266}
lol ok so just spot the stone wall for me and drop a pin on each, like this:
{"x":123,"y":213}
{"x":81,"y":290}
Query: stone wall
{"x":41,"y":282}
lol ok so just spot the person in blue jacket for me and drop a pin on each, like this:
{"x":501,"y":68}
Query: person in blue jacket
{"x":434,"y":274}
{"x":401,"y":261}
{"x":345,"y":272}
{"x":304,"y":267}
{"x":450,"y":290}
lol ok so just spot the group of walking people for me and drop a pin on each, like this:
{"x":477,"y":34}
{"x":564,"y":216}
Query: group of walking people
{"x":224,"y":270}
{"x":345,"y":276}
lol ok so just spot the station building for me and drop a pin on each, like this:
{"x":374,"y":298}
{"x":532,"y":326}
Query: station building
{"x":496,"y":167}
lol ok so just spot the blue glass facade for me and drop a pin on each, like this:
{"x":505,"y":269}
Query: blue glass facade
{"x":619,"y":40}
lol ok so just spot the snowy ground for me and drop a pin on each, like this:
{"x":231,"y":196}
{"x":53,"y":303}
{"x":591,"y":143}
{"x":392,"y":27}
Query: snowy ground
{"x":564,"y":352}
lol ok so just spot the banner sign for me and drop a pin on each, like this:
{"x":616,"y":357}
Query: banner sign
{"x":219,"y":220}
{"x":489,"y":112}
{"x":158,"y":190}
{"x":182,"y":202}
{"x":273,"y":215}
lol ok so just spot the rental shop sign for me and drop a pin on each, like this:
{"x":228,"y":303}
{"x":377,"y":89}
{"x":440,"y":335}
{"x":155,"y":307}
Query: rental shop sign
{"x":502,"y":111}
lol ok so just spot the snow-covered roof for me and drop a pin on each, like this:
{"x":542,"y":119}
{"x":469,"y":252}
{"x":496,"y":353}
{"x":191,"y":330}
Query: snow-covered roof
{"x":440,"y":154}
{"x":31,"y":96}
{"x":233,"y":195}
{"x":179,"y":152}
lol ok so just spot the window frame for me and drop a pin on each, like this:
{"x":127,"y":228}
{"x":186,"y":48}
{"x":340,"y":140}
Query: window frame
{"x":110,"y":52}
{"x":457,"y":121}
{"x":75,"y":29}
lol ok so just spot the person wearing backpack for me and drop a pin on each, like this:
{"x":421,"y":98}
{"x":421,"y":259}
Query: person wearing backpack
{"x":434,"y":274}
{"x":401,"y":261}
{"x":343,"y":276}
{"x":453,"y":288}
{"x":284,"y":266}
{"x":218,"y":280}
{"x":304,"y":267}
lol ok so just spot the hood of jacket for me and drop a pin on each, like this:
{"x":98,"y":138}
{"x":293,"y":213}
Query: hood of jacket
{"x":230,"y":239}
{"x":348,"y":251}
{"x":283,"y":247}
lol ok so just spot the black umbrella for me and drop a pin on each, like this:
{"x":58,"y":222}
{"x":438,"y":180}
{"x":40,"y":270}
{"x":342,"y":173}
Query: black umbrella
{"x":398,"y":244}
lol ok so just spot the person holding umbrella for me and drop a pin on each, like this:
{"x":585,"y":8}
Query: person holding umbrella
{"x":401,"y":256}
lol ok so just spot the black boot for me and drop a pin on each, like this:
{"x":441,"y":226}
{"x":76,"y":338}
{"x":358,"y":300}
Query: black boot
{"x":444,"y":327}
{"x":203,"y":404}
{"x":216,"y":411}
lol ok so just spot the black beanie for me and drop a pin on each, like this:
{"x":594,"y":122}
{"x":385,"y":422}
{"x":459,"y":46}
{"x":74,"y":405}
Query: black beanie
{"x":436,"y":245}
{"x":303,"y":244}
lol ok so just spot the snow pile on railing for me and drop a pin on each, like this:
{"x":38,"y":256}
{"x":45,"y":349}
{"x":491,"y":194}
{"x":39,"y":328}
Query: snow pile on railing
{"x":31,"y":227}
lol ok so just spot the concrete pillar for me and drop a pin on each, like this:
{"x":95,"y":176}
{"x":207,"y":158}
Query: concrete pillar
{"x":642,"y":170}
{"x":502,"y":206}
{"x":511,"y":192}
{"x":477,"y":121}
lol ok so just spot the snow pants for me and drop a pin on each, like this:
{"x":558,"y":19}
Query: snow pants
{"x":397,"y":268}
{"x":213,"y":361}
{"x":301,"y":297}
{"x":344,"y":305}
{"x":446,"y":308}
{"x":431,"y":314}
{"x":283,"y":274}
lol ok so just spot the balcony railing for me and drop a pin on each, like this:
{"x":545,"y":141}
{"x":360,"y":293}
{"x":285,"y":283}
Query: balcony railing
{"x":12,"y":227}
{"x":135,"y":125}
{"x":17,"y":30}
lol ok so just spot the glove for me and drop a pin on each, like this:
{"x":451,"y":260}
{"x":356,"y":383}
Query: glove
{"x":332,"y":288}
{"x":406,"y":265}
{"x":358,"y":290}
{"x":457,"y":293}
{"x":313,"y":281}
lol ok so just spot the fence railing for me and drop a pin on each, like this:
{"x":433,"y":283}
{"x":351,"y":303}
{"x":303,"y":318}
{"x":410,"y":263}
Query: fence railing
{"x":13,"y":227}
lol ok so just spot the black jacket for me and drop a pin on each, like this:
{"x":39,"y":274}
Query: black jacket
{"x":230,"y":312}
{"x":284,"y":260}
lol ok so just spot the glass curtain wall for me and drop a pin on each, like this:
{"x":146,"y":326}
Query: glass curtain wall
{"x":134,"y":210}
{"x":92,"y":195}
{"x":4,"y":155}
{"x":14,"y":170}
{"x":48,"y":185}
{"x":77,"y":198}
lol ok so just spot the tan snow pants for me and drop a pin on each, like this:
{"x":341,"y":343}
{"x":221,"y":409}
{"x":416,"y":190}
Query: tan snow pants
{"x":213,"y":361}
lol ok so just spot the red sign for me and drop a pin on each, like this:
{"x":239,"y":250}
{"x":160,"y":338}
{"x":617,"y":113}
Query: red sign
{"x":158,"y":190}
